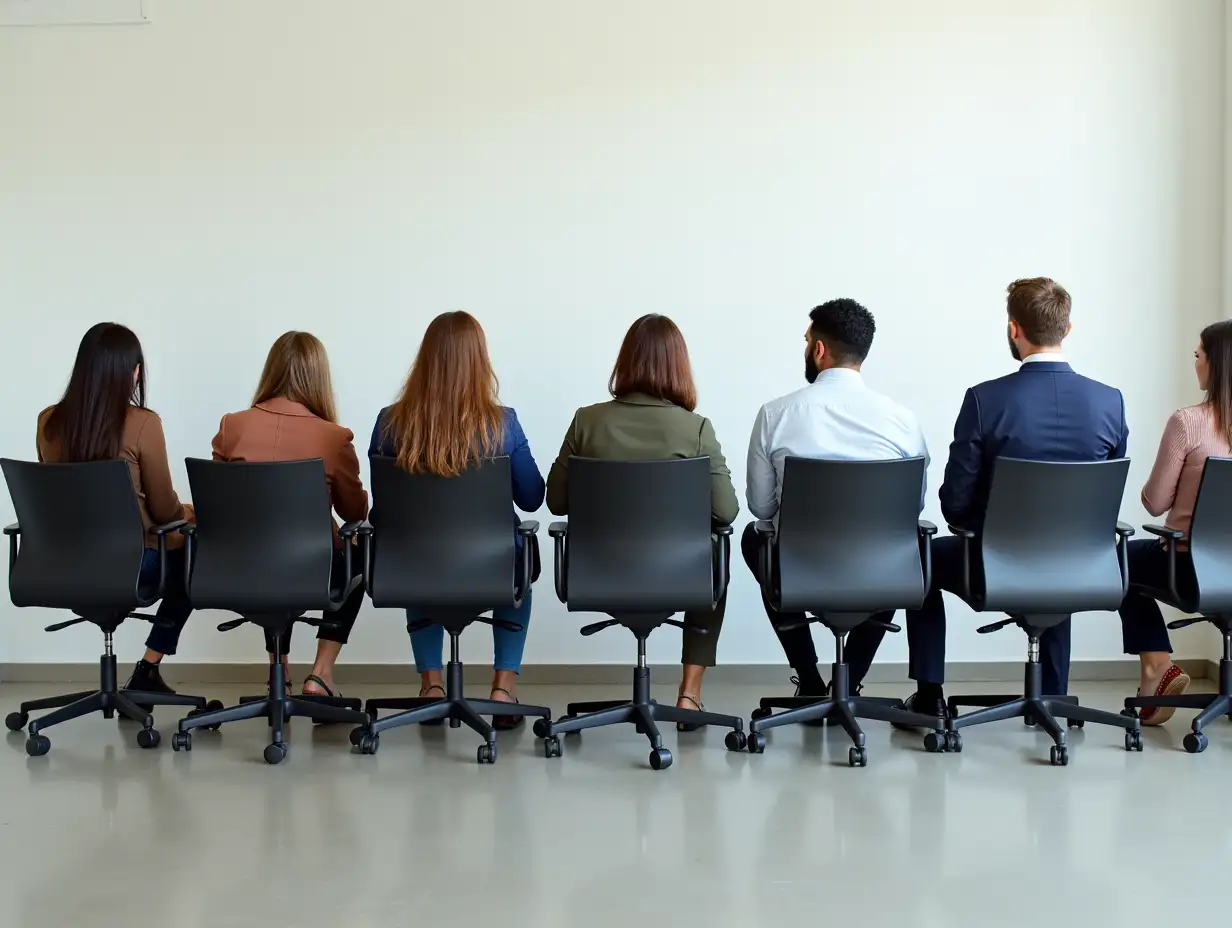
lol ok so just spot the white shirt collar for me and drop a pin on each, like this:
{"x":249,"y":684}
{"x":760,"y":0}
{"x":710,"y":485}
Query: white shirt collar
{"x":1056,"y":357}
{"x":835,"y":375}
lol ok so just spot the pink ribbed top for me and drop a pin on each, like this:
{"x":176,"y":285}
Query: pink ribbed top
{"x":1189,"y":438}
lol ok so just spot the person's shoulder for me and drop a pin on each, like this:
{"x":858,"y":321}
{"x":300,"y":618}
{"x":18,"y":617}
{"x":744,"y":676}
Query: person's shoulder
{"x":45,"y":415}
{"x":780,"y":404}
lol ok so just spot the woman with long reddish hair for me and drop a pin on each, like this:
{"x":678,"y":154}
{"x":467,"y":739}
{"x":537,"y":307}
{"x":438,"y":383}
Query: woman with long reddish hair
{"x":447,"y":418}
{"x":650,"y":417}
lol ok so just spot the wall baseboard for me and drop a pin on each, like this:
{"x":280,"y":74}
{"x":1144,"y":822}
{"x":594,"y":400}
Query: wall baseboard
{"x":773,"y":676}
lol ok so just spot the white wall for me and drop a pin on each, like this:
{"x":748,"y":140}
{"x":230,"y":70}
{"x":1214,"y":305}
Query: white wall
{"x":558,"y":168}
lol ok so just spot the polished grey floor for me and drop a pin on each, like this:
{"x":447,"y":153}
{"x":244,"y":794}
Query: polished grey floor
{"x":100,"y":833}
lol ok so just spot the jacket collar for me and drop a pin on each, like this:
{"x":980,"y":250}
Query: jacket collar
{"x":642,"y":399}
{"x":281,"y":406}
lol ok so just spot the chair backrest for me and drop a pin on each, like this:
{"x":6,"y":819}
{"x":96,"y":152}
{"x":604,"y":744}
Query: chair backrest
{"x":1049,"y":540}
{"x":264,"y":538}
{"x":1210,"y":538}
{"x":82,"y":538}
{"x":848,"y":538}
{"x":639,"y":536}
{"x":442,"y":542}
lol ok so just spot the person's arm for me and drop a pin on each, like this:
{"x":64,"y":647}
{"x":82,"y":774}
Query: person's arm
{"x":377,"y":444}
{"x":920,"y":449}
{"x":1159,"y":492}
{"x":761,"y":481}
{"x":558,"y":476}
{"x":528,"y":486}
{"x":724,"y":507}
{"x":962,"y":470}
{"x":161,"y":501}
{"x":349,"y":498}
{"x":219,"y":444}
{"x":1122,"y":447}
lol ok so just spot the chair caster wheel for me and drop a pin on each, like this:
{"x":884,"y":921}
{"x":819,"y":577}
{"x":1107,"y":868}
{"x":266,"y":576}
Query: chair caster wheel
{"x":181,"y":741}
{"x":357,"y":736}
{"x":660,"y":759}
{"x":1133,"y":740}
{"x":551,"y":746}
{"x":1059,"y":755}
{"x":953,"y":742}
{"x":275,"y":753}
{"x":148,"y":738}
{"x":542,"y":728}
{"x":759,"y":713}
{"x":213,"y":706}
{"x":373,"y":714}
{"x":1195,"y":742}
{"x":486,"y":753}
{"x":16,"y":721}
{"x":857,"y":757}
{"x":756,"y":742}
{"x":935,"y":742}
{"x":736,"y":741}
{"x":1075,"y":723}
{"x":369,"y":744}
{"x":38,"y":745}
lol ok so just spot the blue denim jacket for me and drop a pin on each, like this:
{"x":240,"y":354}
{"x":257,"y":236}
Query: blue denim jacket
{"x":528,"y":486}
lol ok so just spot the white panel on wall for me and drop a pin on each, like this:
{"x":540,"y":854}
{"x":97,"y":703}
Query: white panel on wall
{"x":73,"y":12}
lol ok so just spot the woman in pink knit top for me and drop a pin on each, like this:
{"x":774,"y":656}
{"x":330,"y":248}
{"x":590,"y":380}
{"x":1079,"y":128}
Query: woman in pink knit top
{"x":1192,"y":434}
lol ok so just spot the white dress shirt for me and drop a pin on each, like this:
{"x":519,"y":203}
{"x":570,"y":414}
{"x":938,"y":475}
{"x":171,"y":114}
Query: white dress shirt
{"x":836,"y":417}
{"x":1048,"y":355}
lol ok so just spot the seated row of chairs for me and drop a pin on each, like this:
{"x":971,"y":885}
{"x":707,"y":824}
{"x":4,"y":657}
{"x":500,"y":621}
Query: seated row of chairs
{"x":639,"y":546}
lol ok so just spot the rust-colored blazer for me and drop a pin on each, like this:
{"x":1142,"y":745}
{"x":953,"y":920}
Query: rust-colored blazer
{"x":282,"y":430}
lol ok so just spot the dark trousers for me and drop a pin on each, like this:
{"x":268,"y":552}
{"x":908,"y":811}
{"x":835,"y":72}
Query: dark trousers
{"x":174,"y":609}
{"x":343,"y":619}
{"x":926,"y":626}
{"x":1142,"y":622}
{"x":797,"y":643}
{"x":700,"y":642}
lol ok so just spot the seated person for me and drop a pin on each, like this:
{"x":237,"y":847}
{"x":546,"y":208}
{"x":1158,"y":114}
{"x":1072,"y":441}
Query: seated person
{"x":836,"y":417}
{"x":293,"y":418}
{"x":1192,"y":434}
{"x":448,"y":417}
{"x":650,"y":417}
{"x":1044,"y":411}
{"x":102,"y":417}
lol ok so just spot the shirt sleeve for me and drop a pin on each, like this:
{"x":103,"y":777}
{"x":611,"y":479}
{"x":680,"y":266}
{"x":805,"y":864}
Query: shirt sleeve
{"x":219,"y":444}
{"x":558,"y":476}
{"x":761,"y":482}
{"x":528,"y":486}
{"x":350,"y":499}
{"x":1159,"y":493}
{"x":161,"y":500}
{"x":724,"y":507}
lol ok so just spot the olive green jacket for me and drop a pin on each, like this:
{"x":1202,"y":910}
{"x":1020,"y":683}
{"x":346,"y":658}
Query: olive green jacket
{"x":637,"y":427}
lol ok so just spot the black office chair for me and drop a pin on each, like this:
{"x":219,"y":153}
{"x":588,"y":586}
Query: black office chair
{"x":444,"y":547}
{"x":1207,"y":591}
{"x":81,"y":544}
{"x":262,"y":546}
{"x":1050,"y":546}
{"x":640,"y":547}
{"x":849,"y":545}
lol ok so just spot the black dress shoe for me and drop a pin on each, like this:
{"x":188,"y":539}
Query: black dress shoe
{"x":925,"y":706}
{"x":147,"y":679}
{"x":818,"y":695}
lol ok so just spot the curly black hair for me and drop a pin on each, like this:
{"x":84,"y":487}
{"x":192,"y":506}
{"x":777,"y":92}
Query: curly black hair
{"x":846,"y":329}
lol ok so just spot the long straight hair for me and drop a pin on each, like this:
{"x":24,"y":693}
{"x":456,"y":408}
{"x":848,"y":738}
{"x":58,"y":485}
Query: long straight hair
{"x":1217,"y":344}
{"x":654,"y":360}
{"x":448,"y":415}
{"x":88,"y":422}
{"x":297,"y":369}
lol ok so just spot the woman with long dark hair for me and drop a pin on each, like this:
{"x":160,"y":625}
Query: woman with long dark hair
{"x":103,"y":417}
{"x":447,"y":418}
{"x":1193,"y":434}
{"x":650,"y":417}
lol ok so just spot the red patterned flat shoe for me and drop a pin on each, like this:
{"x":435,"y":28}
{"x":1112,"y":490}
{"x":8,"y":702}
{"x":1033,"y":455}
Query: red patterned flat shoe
{"x":1174,"y":682}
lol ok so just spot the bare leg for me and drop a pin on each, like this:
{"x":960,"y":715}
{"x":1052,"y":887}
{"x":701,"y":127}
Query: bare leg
{"x":152,"y":657}
{"x":504,"y":686}
{"x":430,"y":681}
{"x":323,"y":667}
{"x":691,"y":686}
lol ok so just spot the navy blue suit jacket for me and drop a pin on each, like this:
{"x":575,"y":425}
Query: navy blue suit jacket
{"x":1042,"y":412}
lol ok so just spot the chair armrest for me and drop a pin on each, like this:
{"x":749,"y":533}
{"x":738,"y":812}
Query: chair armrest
{"x":560,"y":573}
{"x":1124,"y":529}
{"x":161,"y":532}
{"x":724,"y":530}
{"x":14,"y":529}
{"x":558,"y":529}
{"x":528,"y":527}
{"x":188,"y":530}
{"x":968,"y":536}
{"x":1162,"y":531}
{"x":764,"y":527}
{"x":720,"y":560}
{"x":528,"y":530}
{"x":351,"y":529}
{"x":960,"y":531}
{"x":170,"y":527}
{"x":924,"y":527}
{"x":925,"y":531}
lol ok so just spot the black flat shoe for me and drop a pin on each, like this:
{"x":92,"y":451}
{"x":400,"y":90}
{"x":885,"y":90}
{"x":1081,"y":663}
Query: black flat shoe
{"x":146,"y":678}
{"x":917,"y":703}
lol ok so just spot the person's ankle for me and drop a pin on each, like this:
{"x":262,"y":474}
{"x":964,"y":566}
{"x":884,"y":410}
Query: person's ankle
{"x":930,"y":691}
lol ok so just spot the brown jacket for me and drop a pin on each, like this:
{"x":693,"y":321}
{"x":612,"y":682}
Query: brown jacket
{"x":144,"y":447}
{"x":282,"y":430}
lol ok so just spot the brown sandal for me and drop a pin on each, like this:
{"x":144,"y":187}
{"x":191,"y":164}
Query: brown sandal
{"x":689,"y":726}
{"x":506,"y":722}
{"x":1174,"y":682}
{"x":423,"y":694}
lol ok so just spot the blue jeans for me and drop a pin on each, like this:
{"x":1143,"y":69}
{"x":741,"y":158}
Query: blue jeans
{"x":175,"y":608}
{"x":429,"y":642}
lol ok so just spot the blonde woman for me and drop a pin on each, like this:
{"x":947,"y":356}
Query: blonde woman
{"x":293,"y":418}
